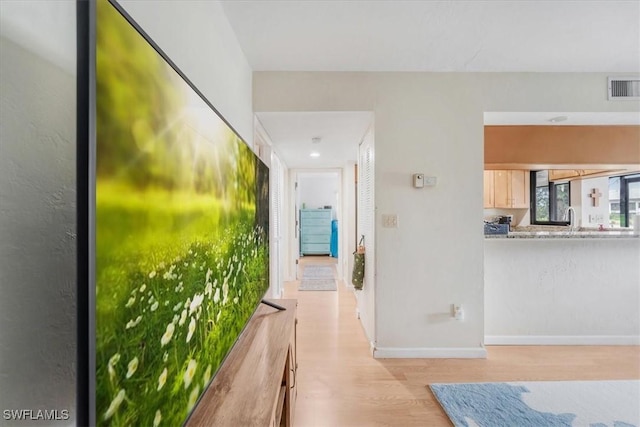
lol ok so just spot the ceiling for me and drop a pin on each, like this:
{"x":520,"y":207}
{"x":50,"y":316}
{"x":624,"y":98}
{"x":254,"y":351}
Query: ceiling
{"x":459,"y":36}
{"x":464,"y":35}
{"x":339,"y":133}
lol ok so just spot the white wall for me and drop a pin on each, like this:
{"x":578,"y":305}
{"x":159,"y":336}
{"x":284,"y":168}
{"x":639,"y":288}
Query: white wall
{"x":197,"y":36}
{"x":433,"y":123}
{"x":319,"y":190}
{"x":37,"y":232}
{"x":562,"y":291}
{"x":588,"y":213}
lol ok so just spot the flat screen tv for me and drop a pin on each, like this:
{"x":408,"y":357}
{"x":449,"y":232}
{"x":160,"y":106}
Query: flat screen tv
{"x":173,"y":229}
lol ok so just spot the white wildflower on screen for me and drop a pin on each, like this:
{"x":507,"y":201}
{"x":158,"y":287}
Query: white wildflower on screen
{"x":193,"y":397}
{"x":115,"y":404}
{"x":225,"y":292}
{"x":132,"y":367}
{"x":206,"y":377}
{"x":189,"y":373}
{"x":162,"y":379}
{"x":111,"y":365}
{"x":197,"y":300}
{"x":167,"y":334}
{"x":157,"y":418}
{"x":192,"y":329}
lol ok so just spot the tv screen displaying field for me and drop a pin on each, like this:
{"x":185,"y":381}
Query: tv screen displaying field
{"x":181,"y":232}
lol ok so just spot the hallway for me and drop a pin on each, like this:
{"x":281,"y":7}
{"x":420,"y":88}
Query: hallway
{"x":341,"y":385}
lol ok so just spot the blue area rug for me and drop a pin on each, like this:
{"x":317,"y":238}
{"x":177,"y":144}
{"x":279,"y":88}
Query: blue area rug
{"x":541,"y":404}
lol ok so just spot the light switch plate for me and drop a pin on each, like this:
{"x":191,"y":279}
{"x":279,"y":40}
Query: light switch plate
{"x":390,"y":220}
{"x":430,"y":181}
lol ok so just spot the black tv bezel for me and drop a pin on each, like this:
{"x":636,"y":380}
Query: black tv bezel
{"x":85,"y":187}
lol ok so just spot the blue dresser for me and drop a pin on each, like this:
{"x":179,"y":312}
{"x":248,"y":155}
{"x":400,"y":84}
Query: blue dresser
{"x":315,"y":231}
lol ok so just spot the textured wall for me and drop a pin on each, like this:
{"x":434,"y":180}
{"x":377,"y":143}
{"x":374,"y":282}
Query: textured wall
{"x":562,"y":288}
{"x":317,"y":191}
{"x":430,"y":123}
{"x":37,"y":234}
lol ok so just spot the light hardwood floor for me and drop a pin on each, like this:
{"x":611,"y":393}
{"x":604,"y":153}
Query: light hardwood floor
{"x":340,"y":384}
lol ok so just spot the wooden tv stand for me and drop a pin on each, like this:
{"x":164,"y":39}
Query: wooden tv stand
{"x":256,"y":384}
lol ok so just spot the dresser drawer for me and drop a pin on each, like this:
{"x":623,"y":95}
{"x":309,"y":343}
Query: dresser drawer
{"x":315,"y":248}
{"x":318,"y":213}
{"x":316,"y":238}
{"x":316,"y":230}
{"x":317,"y":222}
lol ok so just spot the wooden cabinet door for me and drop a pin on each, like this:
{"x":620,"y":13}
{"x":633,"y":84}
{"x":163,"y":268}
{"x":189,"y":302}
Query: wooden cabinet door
{"x":488,"y":195}
{"x":519,"y":188}
{"x":501,"y":189}
{"x":559,"y":174}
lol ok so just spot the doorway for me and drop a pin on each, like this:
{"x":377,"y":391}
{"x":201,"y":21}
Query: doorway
{"x":318,"y":213}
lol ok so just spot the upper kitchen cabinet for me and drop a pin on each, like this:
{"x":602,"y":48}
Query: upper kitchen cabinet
{"x":561,"y":174}
{"x":510,"y":189}
{"x":489,"y":192}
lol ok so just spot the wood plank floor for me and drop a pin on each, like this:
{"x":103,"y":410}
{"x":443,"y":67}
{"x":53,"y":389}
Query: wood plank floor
{"x":340,"y":384}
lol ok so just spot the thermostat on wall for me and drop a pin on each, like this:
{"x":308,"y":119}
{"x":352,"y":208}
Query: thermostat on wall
{"x":419,"y":180}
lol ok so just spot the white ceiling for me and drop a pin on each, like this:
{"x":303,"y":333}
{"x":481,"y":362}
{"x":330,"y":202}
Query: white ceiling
{"x":477,"y":35}
{"x":339,"y":133}
{"x":471,"y":35}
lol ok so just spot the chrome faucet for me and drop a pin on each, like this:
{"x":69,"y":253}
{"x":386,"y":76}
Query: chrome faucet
{"x":570,"y":214}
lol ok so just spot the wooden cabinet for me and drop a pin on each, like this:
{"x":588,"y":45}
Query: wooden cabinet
{"x":562,"y":174}
{"x":510,"y":189}
{"x":315,"y":231}
{"x":488,"y":194}
{"x":257,"y":383}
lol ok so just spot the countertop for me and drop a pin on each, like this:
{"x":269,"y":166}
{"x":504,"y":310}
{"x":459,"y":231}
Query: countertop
{"x":566,"y":234}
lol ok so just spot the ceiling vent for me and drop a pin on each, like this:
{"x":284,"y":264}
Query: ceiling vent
{"x":624,"y":88}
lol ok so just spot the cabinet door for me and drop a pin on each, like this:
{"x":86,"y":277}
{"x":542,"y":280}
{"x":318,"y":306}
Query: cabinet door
{"x":559,"y":174}
{"x":488,"y":190}
{"x":519,"y":188}
{"x":501,"y":189}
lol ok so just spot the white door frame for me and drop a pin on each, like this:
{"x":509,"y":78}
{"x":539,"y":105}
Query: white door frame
{"x":294,"y":240}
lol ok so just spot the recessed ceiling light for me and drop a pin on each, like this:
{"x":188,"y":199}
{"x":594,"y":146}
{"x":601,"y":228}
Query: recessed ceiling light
{"x":558,"y":119}
{"x":314,"y":154}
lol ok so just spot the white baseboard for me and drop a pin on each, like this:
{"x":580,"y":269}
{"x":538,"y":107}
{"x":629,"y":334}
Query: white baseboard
{"x":562,"y":340}
{"x":429,"y":353}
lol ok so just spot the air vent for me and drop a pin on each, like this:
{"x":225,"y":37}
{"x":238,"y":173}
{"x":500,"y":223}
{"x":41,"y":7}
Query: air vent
{"x":624,"y":88}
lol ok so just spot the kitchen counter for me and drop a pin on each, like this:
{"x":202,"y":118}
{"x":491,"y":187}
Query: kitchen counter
{"x":565,"y":235}
{"x":545,"y":287}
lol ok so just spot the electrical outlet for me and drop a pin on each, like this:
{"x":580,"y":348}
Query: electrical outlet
{"x":458,"y":312}
{"x":390,"y":221}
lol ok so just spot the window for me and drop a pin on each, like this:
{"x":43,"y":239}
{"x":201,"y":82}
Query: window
{"x":550,"y":200}
{"x":624,"y":200}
